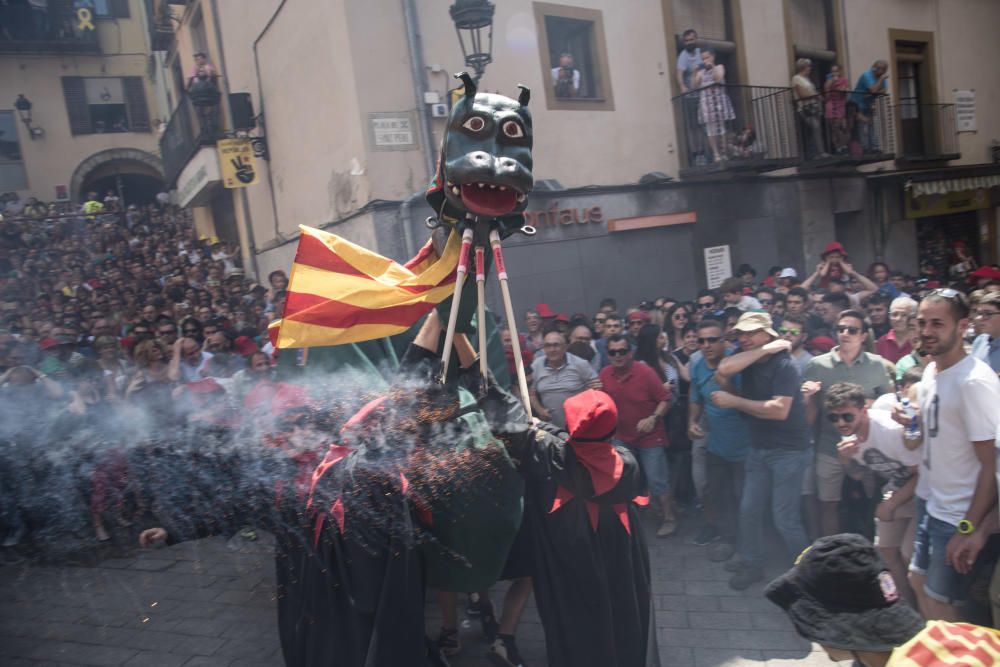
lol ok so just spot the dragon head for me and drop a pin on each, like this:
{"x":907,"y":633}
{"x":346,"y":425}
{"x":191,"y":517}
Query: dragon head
{"x":485,"y":163}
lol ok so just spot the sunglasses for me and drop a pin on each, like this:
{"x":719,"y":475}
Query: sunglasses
{"x":836,"y":417}
{"x":706,"y":306}
{"x":188,"y":332}
{"x":766,"y":302}
{"x":853,"y":331}
{"x":617,"y":353}
{"x":709,"y":340}
{"x":791,"y":332}
{"x":985,"y":314}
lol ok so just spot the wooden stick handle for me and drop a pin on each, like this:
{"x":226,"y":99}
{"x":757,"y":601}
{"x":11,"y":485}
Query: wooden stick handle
{"x":481,"y":312}
{"x":508,"y":307}
{"x":460,"y":274}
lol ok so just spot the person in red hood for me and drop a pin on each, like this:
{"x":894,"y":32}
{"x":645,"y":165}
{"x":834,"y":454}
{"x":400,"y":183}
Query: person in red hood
{"x":590,"y":563}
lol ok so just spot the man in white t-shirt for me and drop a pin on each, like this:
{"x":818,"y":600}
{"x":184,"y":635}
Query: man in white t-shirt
{"x":959,"y":420}
{"x":871,"y":439}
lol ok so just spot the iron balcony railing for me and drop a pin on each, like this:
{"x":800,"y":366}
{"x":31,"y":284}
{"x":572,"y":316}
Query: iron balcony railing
{"x":56,"y":28}
{"x":845,"y":127}
{"x":190,"y":127}
{"x":729,"y":127}
{"x":927,"y":131}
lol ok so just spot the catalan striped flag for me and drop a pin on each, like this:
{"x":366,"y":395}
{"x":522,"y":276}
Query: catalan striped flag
{"x":341,"y":293}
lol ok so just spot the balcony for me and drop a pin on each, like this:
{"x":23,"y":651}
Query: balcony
{"x":927,"y":132}
{"x":853,"y":129}
{"x":727,"y":128}
{"x":191,"y":126}
{"x":161,"y":27}
{"x":25,"y":30}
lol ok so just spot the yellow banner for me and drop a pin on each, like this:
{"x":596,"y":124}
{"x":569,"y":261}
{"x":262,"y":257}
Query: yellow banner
{"x":942,"y":204}
{"x":237,"y":162}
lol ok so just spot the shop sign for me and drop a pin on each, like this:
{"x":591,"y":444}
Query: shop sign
{"x":197,"y":177}
{"x":237,"y":163}
{"x":392,"y":131}
{"x":554,"y":216}
{"x":942,"y":204}
{"x":718,"y":265}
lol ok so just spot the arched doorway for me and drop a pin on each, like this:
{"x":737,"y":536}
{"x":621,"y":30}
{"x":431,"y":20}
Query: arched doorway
{"x":136,"y":176}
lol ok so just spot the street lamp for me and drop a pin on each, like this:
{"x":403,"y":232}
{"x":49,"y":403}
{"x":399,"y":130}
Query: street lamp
{"x":470,"y":18}
{"x":23,"y":106}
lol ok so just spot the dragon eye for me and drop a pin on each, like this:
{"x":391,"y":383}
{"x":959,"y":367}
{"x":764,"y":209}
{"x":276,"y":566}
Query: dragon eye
{"x":513,"y":129}
{"x":476,"y":124}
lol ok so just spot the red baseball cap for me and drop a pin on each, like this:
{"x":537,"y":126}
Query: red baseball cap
{"x":637,"y":316}
{"x":562,"y":317}
{"x":986,"y":273}
{"x":205,"y":386}
{"x":834,"y":246}
{"x":543,"y":310}
{"x":48,"y":343}
{"x":821,"y":344}
{"x":244,"y":346}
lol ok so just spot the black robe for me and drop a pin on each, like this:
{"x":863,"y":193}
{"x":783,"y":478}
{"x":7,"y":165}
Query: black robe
{"x":592,"y":586}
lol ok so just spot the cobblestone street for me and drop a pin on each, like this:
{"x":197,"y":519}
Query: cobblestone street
{"x":211,"y":603}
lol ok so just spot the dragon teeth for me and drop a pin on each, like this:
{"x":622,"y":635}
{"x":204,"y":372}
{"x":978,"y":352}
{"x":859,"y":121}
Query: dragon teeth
{"x":481,"y":185}
{"x":521,"y":198}
{"x":492,"y":187}
{"x":503,"y":188}
{"x":455,"y":190}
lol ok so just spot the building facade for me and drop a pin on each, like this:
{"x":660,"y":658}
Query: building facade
{"x":349,"y":99}
{"x":79,"y":74}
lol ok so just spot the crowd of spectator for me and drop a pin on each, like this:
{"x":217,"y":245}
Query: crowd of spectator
{"x":799,"y":402}
{"x":103,"y":307}
{"x":813,"y":402}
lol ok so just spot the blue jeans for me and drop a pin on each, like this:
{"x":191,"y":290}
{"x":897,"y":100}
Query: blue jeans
{"x":777,"y":472}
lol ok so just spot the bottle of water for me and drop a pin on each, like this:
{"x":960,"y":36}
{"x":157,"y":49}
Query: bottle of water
{"x":913,"y":430}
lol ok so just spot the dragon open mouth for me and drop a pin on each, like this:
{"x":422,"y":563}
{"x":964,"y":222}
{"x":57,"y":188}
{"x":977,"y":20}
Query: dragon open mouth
{"x":489,"y":198}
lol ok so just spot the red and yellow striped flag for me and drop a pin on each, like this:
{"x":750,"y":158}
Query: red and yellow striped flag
{"x":341,"y":293}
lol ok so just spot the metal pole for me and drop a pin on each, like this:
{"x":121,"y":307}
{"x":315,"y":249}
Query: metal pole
{"x":419,"y":75}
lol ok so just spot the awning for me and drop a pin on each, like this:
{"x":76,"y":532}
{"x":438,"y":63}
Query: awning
{"x":945,"y":186}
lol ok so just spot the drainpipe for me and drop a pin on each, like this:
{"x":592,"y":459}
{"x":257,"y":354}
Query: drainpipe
{"x":845,"y":57}
{"x":419,"y":74}
{"x":406,"y":218}
{"x":260,"y":111}
{"x":244,"y":200}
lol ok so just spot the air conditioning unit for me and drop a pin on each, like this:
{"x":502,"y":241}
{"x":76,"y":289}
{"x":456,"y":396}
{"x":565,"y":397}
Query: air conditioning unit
{"x":439,"y":110}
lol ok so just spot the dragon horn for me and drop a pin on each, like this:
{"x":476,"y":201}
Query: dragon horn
{"x":524,"y":96}
{"x":470,"y":85}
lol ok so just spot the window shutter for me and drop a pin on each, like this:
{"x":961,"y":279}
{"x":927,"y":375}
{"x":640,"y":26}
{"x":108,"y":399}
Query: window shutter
{"x":76,"y":105}
{"x":708,"y":17}
{"x":135,"y":103}
{"x":119,"y":9}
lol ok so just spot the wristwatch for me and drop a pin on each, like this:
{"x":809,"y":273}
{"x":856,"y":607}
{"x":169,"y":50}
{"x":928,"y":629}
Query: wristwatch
{"x":965,"y":527}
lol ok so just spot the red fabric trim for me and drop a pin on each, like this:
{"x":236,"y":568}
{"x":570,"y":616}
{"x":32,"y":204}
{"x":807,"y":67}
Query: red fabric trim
{"x":602,"y":462}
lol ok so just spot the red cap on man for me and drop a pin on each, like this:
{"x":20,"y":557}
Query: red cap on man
{"x":544,"y":311}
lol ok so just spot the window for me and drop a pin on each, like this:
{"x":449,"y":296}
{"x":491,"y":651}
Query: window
{"x":574,"y":58}
{"x":925,"y":129}
{"x":812,"y":26}
{"x":100,"y":105}
{"x":12,"y":176}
